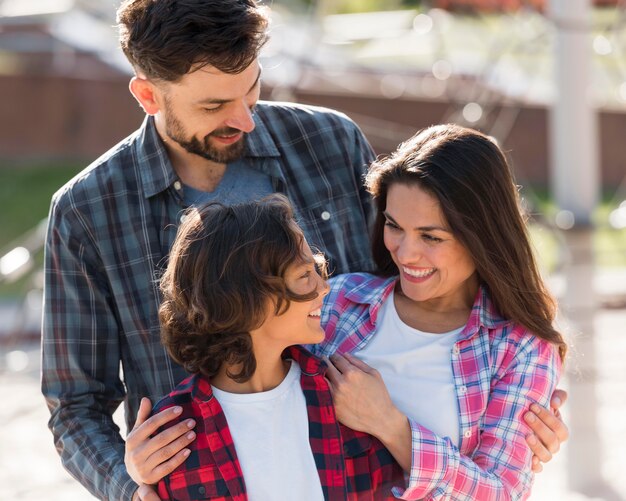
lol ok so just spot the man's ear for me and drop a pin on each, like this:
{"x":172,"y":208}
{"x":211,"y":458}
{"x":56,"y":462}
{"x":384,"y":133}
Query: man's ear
{"x":144,"y":92}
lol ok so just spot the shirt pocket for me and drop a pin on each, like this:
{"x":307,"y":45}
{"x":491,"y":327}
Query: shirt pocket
{"x":366,"y":477}
{"x":356,"y":449}
{"x":355,"y":443}
{"x":197,"y":484}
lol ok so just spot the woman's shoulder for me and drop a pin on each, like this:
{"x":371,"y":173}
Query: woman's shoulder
{"x":509,"y":341}
{"x":514,"y":346}
{"x":363,"y":282}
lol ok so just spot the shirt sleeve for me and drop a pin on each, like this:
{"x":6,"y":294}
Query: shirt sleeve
{"x":81,"y":358}
{"x":500,"y":466}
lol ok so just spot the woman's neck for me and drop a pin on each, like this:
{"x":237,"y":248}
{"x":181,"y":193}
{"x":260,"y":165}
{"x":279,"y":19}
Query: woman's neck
{"x":437,"y":315}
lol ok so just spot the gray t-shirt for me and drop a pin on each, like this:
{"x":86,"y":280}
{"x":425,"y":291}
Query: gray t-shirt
{"x":239,"y":184}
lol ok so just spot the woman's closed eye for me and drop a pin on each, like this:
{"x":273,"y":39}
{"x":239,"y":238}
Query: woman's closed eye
{"x":431,"y":238}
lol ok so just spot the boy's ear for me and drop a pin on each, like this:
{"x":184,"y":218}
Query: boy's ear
{"x":144,"y":92}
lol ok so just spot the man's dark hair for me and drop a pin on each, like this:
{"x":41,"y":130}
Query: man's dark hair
{"x":166,"y":39}
{"x":226,"y":271}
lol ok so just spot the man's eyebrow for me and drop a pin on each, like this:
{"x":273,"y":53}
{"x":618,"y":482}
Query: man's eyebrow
{"x":419,"y":228}
{"x":223,"y":101}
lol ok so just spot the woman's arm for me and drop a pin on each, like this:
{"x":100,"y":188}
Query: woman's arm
{"x":500,"y":466}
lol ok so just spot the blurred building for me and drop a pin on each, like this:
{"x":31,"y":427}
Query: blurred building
{"x":64,"y":84}
{"x":503,"y":5}
{"x":63,"y":81}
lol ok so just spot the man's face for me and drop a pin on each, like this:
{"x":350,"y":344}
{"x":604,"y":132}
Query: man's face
{"x":208,"y":113}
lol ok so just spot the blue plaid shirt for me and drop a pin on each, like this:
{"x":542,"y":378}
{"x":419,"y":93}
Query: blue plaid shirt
{"x":110,"y":231}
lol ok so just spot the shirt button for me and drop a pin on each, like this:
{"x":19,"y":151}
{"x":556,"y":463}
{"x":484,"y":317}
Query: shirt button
{"x":325,"y":215}
{"x":177,"y":185}
{"x":462,"y":390}
{"x":456,"y":350}
{"x":201,"y":490}
{"x":467,"y":434}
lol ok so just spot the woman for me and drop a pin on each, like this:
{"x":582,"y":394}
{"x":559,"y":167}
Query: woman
{"x":240,"y":290}
{"x":452,"y":340}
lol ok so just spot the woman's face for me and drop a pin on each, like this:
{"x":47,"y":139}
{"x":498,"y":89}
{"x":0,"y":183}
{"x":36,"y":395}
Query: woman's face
{"x":300,"y":324}
{"x":434,"y":266}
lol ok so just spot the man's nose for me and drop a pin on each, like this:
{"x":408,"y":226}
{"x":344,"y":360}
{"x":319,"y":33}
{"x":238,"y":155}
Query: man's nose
{"x":242,"y":118}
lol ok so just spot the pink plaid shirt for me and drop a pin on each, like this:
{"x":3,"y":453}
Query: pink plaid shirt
{"x":499,"y":370}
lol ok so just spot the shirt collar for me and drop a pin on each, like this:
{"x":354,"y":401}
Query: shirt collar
{"x":484,"y":314}
{"x":373,"y":292}
{"x":376,"y":290}
{"x":310,"y":365}
{"x":155,"y":168}
{"x":259,"y":142}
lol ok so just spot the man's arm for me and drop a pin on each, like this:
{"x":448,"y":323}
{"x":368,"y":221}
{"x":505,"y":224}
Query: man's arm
{"x":548,"y":430}
{"x":81,"y":359}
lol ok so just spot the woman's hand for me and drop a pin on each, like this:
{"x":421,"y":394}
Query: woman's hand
{"x":362,"y":403}
{"x":360,"y":396}
{"x":147,"y":459}
{"x":549,"y":430}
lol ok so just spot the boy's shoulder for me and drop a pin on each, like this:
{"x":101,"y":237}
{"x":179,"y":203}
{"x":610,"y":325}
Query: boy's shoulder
{"x":181,"y":395}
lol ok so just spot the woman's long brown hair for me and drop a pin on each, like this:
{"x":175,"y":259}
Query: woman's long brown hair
{"x":470,"y":177}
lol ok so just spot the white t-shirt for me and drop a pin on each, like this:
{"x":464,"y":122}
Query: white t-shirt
{"x":270,"y":431}
{"x":417,"y":371}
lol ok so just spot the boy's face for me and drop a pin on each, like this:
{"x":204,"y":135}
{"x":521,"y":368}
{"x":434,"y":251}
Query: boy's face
{"x":300,"y":324}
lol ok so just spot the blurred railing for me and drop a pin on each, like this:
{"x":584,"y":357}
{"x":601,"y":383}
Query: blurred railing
{"x":20,"y":317}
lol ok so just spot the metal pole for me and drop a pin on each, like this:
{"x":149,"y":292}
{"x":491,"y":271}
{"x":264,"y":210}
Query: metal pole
{"x":575,"y":185}
{"x":573,"y":122}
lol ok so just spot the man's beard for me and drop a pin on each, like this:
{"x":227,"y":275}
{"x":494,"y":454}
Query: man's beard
{"x":226,"y":154}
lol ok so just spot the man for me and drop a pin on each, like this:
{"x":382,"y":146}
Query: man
{"x":205,"y":138}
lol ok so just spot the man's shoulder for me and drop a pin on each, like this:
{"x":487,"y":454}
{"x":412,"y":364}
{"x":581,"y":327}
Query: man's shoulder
{"x":274,"y":112}
{"x":94,"y":180}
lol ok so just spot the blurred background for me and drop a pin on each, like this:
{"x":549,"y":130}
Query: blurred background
{"x":545,"y":78}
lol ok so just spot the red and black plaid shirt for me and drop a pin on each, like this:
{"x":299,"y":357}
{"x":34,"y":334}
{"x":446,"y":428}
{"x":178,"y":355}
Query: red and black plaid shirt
{"x":351,"y":465}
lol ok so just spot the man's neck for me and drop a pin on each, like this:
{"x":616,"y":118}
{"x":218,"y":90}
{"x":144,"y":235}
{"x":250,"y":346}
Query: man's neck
{"x":199,"y":173}
{"x":193,"y":170}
